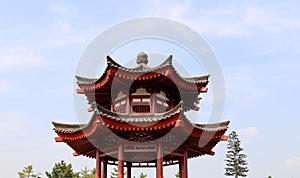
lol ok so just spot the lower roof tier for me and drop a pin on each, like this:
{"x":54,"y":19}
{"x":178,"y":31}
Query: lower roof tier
{"x":173,"y":130}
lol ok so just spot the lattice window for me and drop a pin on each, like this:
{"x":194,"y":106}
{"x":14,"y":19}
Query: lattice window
{"x":121,"y":110}
{"x":141,"y":108}
{"x":160,"y":110}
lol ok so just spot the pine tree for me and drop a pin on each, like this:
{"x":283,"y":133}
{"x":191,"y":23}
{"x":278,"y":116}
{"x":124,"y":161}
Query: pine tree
{"x":142,"y":175}
{"x":86,"y":173}
{"x":27,"y":172}
{"x":62,"y":170}
{"x":93,"y":173}
{"x":114,"y":173}
{"x":236,"y":161}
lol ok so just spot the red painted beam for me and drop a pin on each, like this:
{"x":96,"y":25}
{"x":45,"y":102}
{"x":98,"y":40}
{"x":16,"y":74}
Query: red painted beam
{"x":76,"y":154}
{"x":80,"y":91}
{"x":224,"y":138}
{"x":59,"y":139}
{"x":203,"y":89}
{"x":179,"y":123}
{"x":211,"y":153}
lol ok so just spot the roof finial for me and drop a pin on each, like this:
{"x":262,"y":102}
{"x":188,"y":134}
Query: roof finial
{"x":142,"y":58}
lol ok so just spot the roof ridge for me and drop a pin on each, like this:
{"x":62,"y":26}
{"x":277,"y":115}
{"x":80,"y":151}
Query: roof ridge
{"x":212,"y":126}
{"x":112,"y":62}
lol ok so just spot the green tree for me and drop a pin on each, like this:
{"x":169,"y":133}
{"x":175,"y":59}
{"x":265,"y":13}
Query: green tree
{"x":269,"y":176}
{"x":114,"y":173}
{"x":93,"y":173}
{"x":177,"y":175}
{"x":86,"y":173}
{"x":27,"y":172}
{"x":142,"y":175}
{"x":62,"y":170}
{"x":236,"y":161}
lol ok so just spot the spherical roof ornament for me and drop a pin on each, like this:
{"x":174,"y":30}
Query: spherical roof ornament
{"x":142,"y":58}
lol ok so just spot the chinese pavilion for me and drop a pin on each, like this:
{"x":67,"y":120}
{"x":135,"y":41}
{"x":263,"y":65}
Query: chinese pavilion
{"x":139,"y":119}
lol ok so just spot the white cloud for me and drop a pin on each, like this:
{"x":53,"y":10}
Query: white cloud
{"x":171,"y":9}
{"x":233,"y":20}
{"x":248,"y":132}
{"x":269,"y":21}
{"x":4,"y":85}
{"x":63,"y":15}
{"x":59,"y":8}
{"x":211,"y":21}
{"x":16,"y":60}
{"x":11,"y":123}
{"x":60,"y":26}
{"x":241,"y":87}
{"x":67,"y":39}
{"x":293,"y":162}
{"x":61,"y":30}
{"x":248,"y":135}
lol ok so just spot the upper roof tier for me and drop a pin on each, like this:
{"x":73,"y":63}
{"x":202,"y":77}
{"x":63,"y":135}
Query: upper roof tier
{"x":154,"y":79}
{"x":165,"y":68}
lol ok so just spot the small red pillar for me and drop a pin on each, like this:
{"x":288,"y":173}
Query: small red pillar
{"x":159,"y":161}
{"x":121,"y":161}
{"x":98,"y":165}
{"x":153,"y":104}
{"x":180,"y":168}
{"x":184,"y":166}
{"x":129,"y":165}
{"x":104,"y":169}
{"x":128,"y":107}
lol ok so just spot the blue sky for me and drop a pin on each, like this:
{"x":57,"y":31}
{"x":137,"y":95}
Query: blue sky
{"x":257,"y":44}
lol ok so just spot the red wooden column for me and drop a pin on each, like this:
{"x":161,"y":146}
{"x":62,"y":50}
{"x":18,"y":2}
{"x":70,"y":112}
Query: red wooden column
{"x":129,"y":165}
{"x":98,"y":165}
{"x":184,"y":166}
{"x":159,"y":161}
{"x":180,"y":168}
{"x":128,"y":107}
{"x":104,"y":169}
{"x":153,"y":104}
{"x":121,"y":161}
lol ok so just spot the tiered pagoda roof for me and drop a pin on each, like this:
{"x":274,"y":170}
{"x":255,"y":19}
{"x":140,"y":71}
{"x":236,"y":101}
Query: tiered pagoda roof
{"x":164,"y":75}
{"x":161,"y":97}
